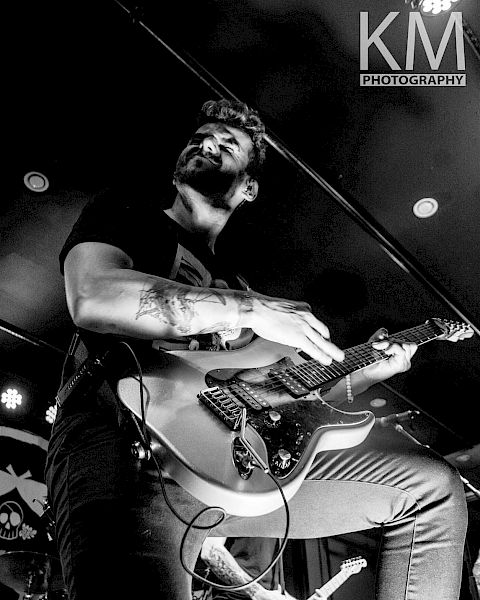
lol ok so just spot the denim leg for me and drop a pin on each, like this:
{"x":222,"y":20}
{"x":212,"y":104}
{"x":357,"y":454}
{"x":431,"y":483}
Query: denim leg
{"x":117,"y":537}
{"x":120,"y":539}
{"x":414,"y":495}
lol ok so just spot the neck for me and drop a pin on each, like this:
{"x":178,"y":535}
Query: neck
{"x":194,"y":213}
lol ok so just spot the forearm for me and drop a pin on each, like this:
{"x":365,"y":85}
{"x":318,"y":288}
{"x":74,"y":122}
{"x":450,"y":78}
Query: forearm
{"x":226,"y":568}
{"x":127,"y":302}
{"x":105,"y":294}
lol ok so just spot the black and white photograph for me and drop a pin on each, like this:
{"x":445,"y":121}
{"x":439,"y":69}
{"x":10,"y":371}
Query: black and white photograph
{"x":239,"y":300}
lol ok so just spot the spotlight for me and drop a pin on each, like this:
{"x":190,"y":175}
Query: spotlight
{"x":51,"y":414}
{"x":11,"y":398}
{"x":434,"y":7}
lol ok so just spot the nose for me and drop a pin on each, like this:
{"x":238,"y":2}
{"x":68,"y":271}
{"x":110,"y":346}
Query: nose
{"x":210,"y":146}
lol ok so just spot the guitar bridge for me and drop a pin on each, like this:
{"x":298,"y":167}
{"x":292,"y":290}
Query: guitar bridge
{"x":224,"y":404}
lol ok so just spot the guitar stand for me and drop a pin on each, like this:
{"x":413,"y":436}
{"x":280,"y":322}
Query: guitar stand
{"x":466,"y":553}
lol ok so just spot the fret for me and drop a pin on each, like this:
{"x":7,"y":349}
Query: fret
{"x":348,"y":568}
{"x":312,"y":374}
{"x":332,"y":585}
{"x":332,"y":374}
{"x":308,"y":377}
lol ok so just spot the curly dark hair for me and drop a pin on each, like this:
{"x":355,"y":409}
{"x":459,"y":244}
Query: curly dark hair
{"x":238,"y":114}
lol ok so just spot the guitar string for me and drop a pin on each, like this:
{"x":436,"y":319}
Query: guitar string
{"x":364,"y":351}
{"x":353,"y":355}
{"x":305,"y":372}
{"x":313,"y":372}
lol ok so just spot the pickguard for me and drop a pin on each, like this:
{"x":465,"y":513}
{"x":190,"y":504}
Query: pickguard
{"x":285,"y":423}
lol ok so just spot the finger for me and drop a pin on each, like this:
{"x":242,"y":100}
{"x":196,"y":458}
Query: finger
{"x":394,"y":348}
{"x":326,"y":346}
{"x":380,"y":334}
{"x":399,"y":355}
{"x":304,"y":306}
{"x":381,"y":345}
{"x":316,"y":324}
{"x":315,"y":352}
{"x":410,"y":348}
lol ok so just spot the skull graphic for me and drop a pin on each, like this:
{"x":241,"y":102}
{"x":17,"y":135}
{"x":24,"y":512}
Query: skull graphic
{"x":11,"y":519}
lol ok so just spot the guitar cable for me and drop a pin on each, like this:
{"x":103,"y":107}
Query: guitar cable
{"x":147,"y":445}
{"x":266,"y":570}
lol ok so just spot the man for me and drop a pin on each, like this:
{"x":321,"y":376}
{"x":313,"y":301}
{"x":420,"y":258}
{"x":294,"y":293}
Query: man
{"x":135,"y":272}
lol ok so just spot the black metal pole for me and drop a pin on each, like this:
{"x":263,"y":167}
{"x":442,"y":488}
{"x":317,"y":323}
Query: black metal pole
{"x":27,"y":337}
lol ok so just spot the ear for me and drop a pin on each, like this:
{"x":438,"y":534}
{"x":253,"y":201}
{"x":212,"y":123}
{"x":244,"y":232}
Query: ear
{"x":250,"y":189}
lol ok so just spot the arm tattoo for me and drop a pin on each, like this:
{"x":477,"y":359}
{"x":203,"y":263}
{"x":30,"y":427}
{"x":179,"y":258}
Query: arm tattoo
{"x":178,"y":308}
{"x":245,"y":301}
{"x":226,"y":568}
{"x":245,"y":304}
{"x":216,"y":327}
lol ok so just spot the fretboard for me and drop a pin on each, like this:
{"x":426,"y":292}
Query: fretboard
{"x":313,"y":375}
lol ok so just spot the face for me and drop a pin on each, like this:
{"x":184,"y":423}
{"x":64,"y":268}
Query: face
{"x":215,"y":160}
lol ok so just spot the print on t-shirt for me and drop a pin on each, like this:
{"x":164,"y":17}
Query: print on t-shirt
{"x":188,"y":269}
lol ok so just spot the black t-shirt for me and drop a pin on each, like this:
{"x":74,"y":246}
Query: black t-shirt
{"x":157,"y":245}
{"x":132,"y":220}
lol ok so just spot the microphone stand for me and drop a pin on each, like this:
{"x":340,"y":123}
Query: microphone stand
{"x":408,"y":435}
{"x":466,"y":554}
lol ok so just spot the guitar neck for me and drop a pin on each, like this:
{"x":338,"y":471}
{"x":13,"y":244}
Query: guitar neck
{"x":314,"y":375}
{"x":331,"y":586}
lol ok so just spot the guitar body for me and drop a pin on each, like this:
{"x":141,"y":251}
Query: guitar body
{"x":197,"y":439}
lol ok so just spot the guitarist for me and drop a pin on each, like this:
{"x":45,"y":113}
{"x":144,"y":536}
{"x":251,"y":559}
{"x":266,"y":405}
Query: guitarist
{"x":236,"y":561}
{"x":136,"y":272}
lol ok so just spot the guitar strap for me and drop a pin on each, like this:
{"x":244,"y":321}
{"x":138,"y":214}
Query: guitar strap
{"x":94,"y":374}
{"x":88,"y":373}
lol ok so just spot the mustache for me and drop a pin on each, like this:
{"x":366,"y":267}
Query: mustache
{"x":199,"y":152}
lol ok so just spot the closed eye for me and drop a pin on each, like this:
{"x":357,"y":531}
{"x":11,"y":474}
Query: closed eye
{"x":196,"y":139}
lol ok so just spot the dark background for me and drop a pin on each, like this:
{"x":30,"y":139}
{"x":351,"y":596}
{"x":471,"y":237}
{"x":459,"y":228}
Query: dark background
{"x":93,"y":93}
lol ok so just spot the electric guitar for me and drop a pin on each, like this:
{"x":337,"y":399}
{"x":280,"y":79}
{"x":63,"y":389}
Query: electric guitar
{"x":347,"y":569}
{"x":213,"y":415}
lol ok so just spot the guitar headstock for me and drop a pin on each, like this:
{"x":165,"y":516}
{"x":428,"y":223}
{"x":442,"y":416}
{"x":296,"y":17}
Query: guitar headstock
{"x":353,"y":565}
{"x":453,"y":331}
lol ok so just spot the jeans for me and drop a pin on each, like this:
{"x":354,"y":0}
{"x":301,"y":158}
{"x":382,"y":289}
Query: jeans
{"x":117,"y":538}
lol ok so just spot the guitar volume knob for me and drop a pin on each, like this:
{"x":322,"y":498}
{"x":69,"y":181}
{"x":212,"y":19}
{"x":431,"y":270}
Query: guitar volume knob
{"x":273,"y":418}
{"x":282,"y":458}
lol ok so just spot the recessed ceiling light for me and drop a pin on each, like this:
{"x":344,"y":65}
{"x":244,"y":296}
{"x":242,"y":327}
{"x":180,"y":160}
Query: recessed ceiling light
{"x":424,"y":208}
{"x":36,"y":181}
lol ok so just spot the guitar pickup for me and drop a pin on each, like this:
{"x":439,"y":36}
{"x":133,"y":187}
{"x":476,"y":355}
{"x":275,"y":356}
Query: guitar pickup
{"x":295,"y":388}
{"x":248,"y":396}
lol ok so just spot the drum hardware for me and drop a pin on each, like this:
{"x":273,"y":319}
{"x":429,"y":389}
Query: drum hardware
{"x":31,"y":573}
{"x":47,"y":515}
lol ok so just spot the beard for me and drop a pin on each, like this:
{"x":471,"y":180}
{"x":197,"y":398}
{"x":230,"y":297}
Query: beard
{"x":205,"y":177}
